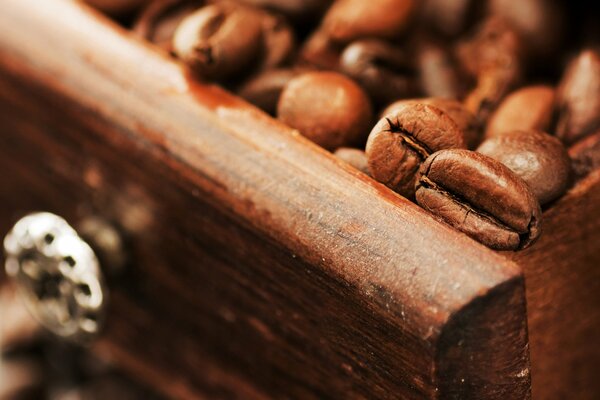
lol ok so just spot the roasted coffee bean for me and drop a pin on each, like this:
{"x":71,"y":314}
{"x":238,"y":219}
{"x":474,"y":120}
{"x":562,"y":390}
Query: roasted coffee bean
{"x":539,"y":22}
{"x":450,"y":17}
{"x":578,"y":98}
{"x":480,"y":197}
{"x":355,"y":157}
{"x":296,"y":10}
{"x":401,"y":141}
{"x":264,"y":89}
{"x":528,"y":108}
{"x":349,"y":20}
{"x":438,"y":75}
{"x":219,"y":41}
{"x":493,"y":57}
{"x":538,"y":158}
{"x":586,"y":155}
{"x":159,"y":20}
{"x":381,"y":68}
{"x":117,"y":7}
{"x":320,"y":51}
{"x":326,"y":107}
{"x":279,"y":42}
{"x":464,"y":119}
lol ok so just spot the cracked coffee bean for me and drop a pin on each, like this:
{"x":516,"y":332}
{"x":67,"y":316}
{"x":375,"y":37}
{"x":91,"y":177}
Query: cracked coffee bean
{"x":578,"y":98}
{"x":528,"y":108}
{"x":355,"y":157}
{"x":219,"y":41}
{"x":382,"y":69}
{"x":326,"y":107}
{"x":480,"y":197}
{"x":539,"y":159}
{"x":464,"y":119}
{"x":401,"y":141}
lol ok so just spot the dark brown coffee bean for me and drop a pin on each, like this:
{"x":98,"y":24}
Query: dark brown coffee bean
{"x":480,"y":197}
{"x":326,"y":107}
{"x":539,"y":22}
{"x":219,"y":41}
{"x":116,"y":7}
{"x":401,"y":141}
{"x":450,"y":17}
{"x":279,"y":42}
{"x":355,"y":157}
{"x":578,"y":98}
{"x":320,"y":51}
{"x":349,"y":20}
{"x":438,"y":75}
{"x":586,"y":155}
{"x":296,"y":10}
{"x":382,"y":69}
{"x":538,"y":158}
{"x":493,"y":58}
{"x":528,"y":108}
{"x":464,"y":119}
{"x":264,"y":89}
{"x":159,"y":20}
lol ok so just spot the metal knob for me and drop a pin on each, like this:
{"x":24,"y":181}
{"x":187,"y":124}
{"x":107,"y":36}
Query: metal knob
{"x":58,"y":274}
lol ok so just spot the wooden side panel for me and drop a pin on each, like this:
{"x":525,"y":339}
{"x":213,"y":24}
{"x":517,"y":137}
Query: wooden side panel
{"x":563,"y":296}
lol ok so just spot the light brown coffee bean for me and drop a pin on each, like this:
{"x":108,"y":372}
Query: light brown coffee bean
{"x":578,"y":98}
{"x":528,"y":108}
{"x":401,"y":141}
{"x":326,"y":107}
{"x":480,"y":197}
{"x":538,"y":158}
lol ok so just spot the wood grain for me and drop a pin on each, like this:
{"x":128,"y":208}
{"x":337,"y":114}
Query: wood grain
{"x":562,"y":274}
{"x":262,"y":266}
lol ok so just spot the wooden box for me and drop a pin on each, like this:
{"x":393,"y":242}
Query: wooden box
{"x":262,"y":267}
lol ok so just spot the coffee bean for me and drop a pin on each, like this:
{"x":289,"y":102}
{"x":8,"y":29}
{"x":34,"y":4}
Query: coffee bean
{"x":159,"y":20}
{"x":327,"y":107}
{"x":264,"y":89}
{"x":539,"y":22}
{"x":401,"y":141}
{"x":381,"y":68}
{"x":355,"y":157}
{"x":349,"y":20}
{"x":578,"y":98}
{"x":450,"y":17}
{"x":493,"y":57}
{"x":320,"y":51}
{"x":438,"y":74}
{"x":480,"y":197}
{"x":586,"y":155}
{"x":219,"y":41}
{"x":279,"y":42}
{"x":528,"y":108}
{"x":538,"y":158}
{"x":296,"y":10}
{"x":464,"y":119}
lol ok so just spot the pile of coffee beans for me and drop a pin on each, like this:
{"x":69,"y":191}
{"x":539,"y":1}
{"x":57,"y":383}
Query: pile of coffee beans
{"x":480,"y":111}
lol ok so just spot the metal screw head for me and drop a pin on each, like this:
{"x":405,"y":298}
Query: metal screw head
{"x":58,"y":274}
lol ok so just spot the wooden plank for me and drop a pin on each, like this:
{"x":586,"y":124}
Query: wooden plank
{"x":562,"y":275}
{"x":263,"y":267}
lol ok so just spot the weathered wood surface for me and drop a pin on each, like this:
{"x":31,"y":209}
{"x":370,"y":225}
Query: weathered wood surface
{"x":263,"y":267}
{"x":562,"y":274}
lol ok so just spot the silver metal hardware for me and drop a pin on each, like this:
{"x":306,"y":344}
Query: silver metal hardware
{"x":59,"y":274}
